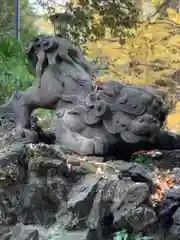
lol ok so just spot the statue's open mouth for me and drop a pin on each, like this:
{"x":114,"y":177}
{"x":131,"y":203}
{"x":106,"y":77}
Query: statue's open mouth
{"x":144,"y":132}
{"x":98,"y":87}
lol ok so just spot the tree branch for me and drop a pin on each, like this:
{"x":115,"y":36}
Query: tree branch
{"x":158,"y":9}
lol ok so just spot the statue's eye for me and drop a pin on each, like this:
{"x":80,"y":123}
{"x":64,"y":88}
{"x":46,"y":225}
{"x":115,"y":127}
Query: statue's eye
{"x":155,"y":107}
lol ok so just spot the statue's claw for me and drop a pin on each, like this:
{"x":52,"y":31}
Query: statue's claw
{"x":20,"y":131}
{"x":95,"y":146}
{"x":27,"y":135}
{"x":100,"y":147}
{"x":87,"y":147}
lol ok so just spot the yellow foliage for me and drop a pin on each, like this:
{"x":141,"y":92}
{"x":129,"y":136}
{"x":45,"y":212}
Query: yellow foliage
{"x":151,"y":55}
{"x":173,"y":15}
{"x":157,"y":2}
{"x":45,"y":25}
{"x":74,"y":1}
{"x":173,"y":121}
{"x":96,"y":19}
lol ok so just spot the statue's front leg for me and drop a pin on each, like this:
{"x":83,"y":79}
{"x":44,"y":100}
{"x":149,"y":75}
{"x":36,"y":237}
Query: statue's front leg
{"x":21,"y":110}
{"x":78,"y":143}
{"x":23,"y":103}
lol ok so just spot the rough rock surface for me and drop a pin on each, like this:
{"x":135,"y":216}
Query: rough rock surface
{"x":46,"y":194}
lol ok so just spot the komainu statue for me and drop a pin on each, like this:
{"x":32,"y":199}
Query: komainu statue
{"x":89,"y":120}
{"x":114,"y":113}
{"x":61,"y":73}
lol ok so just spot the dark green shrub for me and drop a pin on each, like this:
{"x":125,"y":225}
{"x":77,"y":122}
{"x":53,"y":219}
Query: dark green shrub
{"x":14,"y":74}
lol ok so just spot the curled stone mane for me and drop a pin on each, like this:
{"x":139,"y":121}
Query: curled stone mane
{"x":133,"y":112}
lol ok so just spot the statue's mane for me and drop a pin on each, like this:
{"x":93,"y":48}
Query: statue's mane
{"x":45,"y":50}
{"x":119,"y":107}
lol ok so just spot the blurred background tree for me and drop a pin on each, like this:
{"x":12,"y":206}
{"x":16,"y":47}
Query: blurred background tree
{"x":13,"y":64}
{"x":28,"y":17}
{"x":85,"y":20}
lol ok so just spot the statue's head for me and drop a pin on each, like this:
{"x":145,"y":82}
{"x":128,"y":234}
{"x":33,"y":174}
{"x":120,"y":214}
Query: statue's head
{"x":135,"y":113}
{"x":59,"y":48}
{"x":37,"y":44}
{"x":134,"y":99}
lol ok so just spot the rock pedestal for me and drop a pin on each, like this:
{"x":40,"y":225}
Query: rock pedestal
{"x":46,"y":194}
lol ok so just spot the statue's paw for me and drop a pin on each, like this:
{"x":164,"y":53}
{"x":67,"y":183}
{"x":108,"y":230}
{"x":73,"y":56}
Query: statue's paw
{"x":87,"y":147}
{"x":100,"y":147}
{"x":20,"y":131}
{"x":28,"y":136}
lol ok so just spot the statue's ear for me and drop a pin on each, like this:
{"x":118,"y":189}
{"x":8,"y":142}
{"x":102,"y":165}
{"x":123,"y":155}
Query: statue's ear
{"x":51,"y":57}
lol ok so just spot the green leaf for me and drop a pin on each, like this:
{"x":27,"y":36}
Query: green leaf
{"x":121,"y":235}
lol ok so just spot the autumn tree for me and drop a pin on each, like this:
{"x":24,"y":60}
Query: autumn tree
{"x":90,"y":19}
{"x":7,"y":18}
